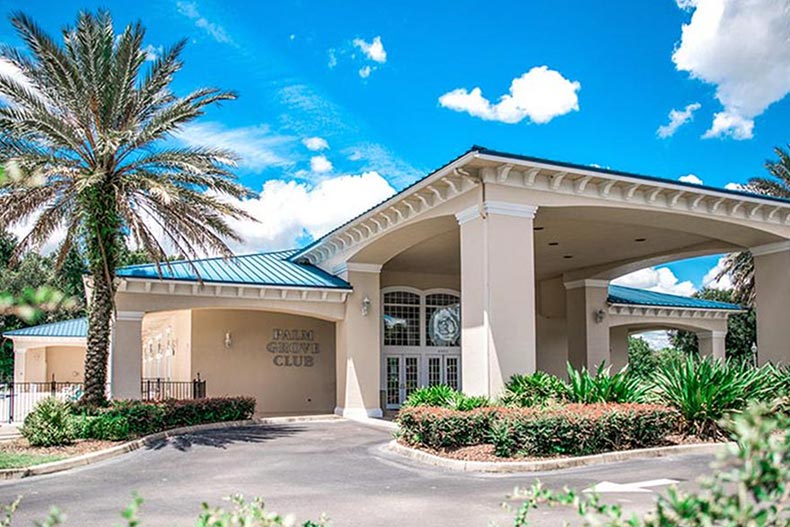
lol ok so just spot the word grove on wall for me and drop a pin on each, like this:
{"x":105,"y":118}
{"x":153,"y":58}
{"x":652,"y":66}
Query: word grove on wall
{"x":293,"y":347}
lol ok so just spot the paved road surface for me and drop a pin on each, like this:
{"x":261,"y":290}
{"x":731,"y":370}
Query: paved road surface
{"x":335,"y":467}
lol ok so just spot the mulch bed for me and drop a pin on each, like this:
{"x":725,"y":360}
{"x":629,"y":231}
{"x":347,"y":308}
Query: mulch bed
{"x":79,"y":447}
{"x":485,"y":452}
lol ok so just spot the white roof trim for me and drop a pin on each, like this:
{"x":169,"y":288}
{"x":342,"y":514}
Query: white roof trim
{"x":452,"y":180}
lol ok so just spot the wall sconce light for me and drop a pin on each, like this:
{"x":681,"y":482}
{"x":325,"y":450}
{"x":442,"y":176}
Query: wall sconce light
{"x":599,"y":316}
{"x":228,"y":340}
{"x":365,"y":306}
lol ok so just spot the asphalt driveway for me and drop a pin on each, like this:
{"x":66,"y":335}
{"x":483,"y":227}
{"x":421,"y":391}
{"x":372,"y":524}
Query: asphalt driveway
{"x":335,"y":467}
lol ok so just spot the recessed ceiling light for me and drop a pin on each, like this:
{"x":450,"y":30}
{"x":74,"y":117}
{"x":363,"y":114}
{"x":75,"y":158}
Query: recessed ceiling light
{"x":554,"y":243}
{"x":640,"y":239}
{"x":568,"y":256}
{"x":537,"y":228}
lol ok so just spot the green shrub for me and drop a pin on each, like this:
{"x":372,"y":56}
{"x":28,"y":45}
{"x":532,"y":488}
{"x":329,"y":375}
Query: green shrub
{"x":445,"y":428}
{"x":581,"y":429}
{"x":704,"y":390}
{"x":124,"y":420}
{"x":537,"y":389}
{"x":443,"y":396}
{"x":748,"y":486}
{"x":603,"y":387}
{"x":49,"y":424}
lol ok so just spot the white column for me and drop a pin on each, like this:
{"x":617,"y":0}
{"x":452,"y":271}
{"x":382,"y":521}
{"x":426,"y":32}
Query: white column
{"x":358,"y":350}
{"x":772,"y":288}
{"x":588,"y":332}
{"x":126,"y":355}
{"x":712,"y":344}
{"x":618,"y":338}
{"x":497,"y":295}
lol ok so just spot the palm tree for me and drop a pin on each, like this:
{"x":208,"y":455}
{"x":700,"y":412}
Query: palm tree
{"x":86,"y":139}
{"x":740,"y":266}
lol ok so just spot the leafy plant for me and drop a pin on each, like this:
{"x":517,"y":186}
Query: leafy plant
{"x":581,"y":429}
{"x":705,"y":390}
{"x":444,"y":428}
{"x":443,"y":396}
{"x":49,"y":424}
{"x":603,"y":387}
{"x":748,"y":487}
{"x":537,"y":389}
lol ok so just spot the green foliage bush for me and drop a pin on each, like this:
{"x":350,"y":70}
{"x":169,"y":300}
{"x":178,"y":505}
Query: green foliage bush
{"x":605,"y":387}
{"x":537,"y":389}
{"x":49,"y":424}
{"x":581,"y":429}
{"x":443,"y":396}
{"x":643,"y":360}
{"x":444,"y":428}
{"x":127,"y":419}
{"x":705,"y":390}
{"x":748,"y":486}
{"x":573,"y":429}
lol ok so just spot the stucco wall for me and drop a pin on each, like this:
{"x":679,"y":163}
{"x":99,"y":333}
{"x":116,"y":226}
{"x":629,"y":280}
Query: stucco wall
{"x":177,"y":325}
{"x":66,"y":363}
{"x":282,"y":383}
{"x":552,"y":345}
{"x":420,"y":280}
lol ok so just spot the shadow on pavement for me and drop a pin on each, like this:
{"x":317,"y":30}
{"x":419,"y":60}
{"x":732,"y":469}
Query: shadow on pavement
{"x":225,"y":437}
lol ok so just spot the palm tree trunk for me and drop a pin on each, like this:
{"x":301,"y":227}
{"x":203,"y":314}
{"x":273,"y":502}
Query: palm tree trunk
{"x":102,"y":227}
{"x":98,"y":349}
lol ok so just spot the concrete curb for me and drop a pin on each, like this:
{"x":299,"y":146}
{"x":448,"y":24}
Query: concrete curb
{"x":550,"y":464}
{"x":131,"y":446}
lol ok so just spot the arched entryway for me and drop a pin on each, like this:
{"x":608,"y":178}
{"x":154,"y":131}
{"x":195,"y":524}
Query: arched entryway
{"x":421,"y":341}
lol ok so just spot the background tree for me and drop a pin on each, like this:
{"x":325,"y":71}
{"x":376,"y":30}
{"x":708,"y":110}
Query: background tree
{"x":741,"y":329}
{"x":740,"y":266}
{"x":83,"y":136}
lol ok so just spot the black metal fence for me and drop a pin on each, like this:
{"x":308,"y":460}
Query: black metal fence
{"x":17,"y":399}
{"x":161,"y":389}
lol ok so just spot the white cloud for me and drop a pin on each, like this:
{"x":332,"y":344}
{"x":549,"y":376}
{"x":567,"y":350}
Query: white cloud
{"x":373,"y":50}
{"x":378,"y":158}
{"x":690,"y":178}
{"x":735,"y":186}
{"x":657,"y":340}
{"x":153,"y":52}
{"x":677,"y":118}
{"x":215,"y":31}
{"x":257,"y":146}
{"x":740,"y":46}
{"x":332,"y":58}
{"x":320,"y":164}
{"x":364,"y":72}
{"x":710,"y":279}
{"x":289,"y":211}
{"x":661,"y":280}
{"x":540,"y":94}
{"x":315,"y":143}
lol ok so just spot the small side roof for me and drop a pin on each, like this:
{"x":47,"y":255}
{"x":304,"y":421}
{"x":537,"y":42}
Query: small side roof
{"x":75,"y":328}
{"x":273,"y":269}
{"x":619,"y":294}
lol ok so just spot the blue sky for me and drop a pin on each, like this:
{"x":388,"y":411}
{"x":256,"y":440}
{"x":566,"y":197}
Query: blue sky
{"x":340,"y":103}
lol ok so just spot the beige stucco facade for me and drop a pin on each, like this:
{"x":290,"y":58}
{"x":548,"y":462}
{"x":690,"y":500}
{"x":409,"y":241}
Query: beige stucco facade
{"x":521,"y":250}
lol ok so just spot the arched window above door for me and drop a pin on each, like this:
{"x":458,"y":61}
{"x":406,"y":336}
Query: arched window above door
{"x":421,"y":318}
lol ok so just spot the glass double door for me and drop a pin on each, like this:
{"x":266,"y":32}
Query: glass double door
{"x":404,"y":373}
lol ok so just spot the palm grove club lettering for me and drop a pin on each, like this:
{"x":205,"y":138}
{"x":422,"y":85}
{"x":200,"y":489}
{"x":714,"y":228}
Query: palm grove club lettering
{"x":293,"y":347}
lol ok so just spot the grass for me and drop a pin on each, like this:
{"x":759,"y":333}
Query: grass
{"x":19,"y":460}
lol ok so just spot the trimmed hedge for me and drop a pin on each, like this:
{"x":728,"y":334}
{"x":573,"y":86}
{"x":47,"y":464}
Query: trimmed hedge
{"x":445,"y":428}
{"x":582,"y":429}
{"x":127,"y":419}
{"x":574,"y":429}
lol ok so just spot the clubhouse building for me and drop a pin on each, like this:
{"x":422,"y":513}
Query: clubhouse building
{"x":494,"y":264}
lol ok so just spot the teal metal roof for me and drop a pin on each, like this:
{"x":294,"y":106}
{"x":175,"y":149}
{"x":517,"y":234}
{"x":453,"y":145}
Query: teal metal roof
{"x":272,"y":269}
{"x":75,"y":328}
{"x":619,"y":294}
